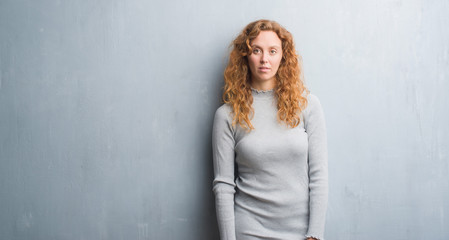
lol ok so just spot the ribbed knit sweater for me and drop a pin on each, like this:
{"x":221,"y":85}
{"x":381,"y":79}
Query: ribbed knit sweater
{"x":270,"y":183}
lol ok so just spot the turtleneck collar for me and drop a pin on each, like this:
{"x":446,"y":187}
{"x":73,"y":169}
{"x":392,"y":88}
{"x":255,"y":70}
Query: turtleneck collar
{"x":262,"y":93}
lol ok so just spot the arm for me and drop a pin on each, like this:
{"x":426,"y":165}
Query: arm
{"x":224,"y":184}
{"x":318,"y":169}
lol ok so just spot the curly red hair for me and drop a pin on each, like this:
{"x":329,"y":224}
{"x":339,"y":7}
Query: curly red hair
{"x":289,"y":89}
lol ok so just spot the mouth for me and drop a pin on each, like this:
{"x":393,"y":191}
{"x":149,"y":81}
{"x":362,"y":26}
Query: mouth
{"x":264,"y":69}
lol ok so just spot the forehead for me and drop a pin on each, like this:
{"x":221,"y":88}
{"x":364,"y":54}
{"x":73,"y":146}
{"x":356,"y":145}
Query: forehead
{"x":267,"y":38}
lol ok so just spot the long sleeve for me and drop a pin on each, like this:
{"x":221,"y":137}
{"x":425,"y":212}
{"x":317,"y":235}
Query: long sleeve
{"x":318,"y":167}
{"x":224,"y":181}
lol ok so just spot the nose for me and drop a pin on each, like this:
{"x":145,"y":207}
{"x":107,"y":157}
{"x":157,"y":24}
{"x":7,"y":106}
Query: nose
{"x":264,"y":58}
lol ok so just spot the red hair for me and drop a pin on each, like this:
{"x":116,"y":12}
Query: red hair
{"x":289,"y":88}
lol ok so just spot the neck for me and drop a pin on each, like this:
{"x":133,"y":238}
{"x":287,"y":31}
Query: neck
{"x":263,"y":85}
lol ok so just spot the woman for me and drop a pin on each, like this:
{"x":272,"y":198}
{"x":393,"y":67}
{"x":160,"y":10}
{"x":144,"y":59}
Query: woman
{"x":269,"y":143}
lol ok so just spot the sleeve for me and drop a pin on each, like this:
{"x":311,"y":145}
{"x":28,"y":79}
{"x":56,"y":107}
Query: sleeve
{"x":224,"y":181}
{"x":318,"y":167}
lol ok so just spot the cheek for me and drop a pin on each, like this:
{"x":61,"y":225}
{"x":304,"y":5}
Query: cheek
{"x":278,"y":61}
{"x":252,"y":60}
{"x":251,"y":64}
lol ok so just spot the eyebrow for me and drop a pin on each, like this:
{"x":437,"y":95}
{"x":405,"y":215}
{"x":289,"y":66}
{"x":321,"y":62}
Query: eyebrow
{"x":274,"y":46}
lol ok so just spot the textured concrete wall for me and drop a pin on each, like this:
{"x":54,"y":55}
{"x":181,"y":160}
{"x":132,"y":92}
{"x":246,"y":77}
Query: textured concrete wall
{"x":106,"y":110}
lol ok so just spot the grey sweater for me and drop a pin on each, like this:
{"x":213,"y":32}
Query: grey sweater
{"x":280,"y":189}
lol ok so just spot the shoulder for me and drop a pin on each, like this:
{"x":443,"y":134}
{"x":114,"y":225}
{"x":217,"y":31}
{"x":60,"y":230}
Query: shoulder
{"x":223,"y":119}
{"x":313,"y":102}
{"x":223,"y":113}
{"x":313,"y":107}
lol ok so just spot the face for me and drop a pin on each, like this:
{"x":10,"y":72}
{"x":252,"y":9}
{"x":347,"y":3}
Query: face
{"x":265,"y":58}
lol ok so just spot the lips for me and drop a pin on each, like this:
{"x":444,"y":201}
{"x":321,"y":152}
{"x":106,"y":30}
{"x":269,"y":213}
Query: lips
{"x":264,"y":69}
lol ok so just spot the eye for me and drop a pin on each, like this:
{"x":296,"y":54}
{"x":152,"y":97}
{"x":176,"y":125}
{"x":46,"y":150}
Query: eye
{"x":273,"y":51}
{"x":256,"y":51}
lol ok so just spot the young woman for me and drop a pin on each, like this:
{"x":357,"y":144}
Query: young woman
{"x":269,"y":143}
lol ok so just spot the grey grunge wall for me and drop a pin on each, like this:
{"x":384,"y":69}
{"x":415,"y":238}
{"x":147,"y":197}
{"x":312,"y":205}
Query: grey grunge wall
{"x":106,"y":111}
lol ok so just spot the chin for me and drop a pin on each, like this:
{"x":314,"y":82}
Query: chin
{"x":265,"y":78}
